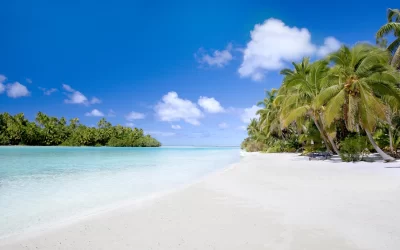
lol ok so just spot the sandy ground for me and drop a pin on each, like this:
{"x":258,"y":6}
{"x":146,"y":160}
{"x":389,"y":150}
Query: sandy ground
{"x":267,"y":201}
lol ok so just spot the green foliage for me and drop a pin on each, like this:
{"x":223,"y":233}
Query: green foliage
{"x":354,"y":91}
{"x":252,"y":145}
{"x":353,"y":148}
{"x":51,"y":131}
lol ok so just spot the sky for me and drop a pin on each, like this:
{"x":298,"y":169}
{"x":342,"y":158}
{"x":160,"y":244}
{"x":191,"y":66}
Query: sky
{"x":186,"y":72}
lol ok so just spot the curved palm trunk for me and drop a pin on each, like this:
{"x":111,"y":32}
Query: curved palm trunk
{"x":385,"y":156}
{"x":396,"y":59}
{"x":391,"y":139}
{"x":324,"y":137}
{"x":333,"y":145}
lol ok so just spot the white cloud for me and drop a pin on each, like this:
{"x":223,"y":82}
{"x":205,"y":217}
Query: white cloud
{"x":130,"y":124}
{"x":249,"y":113}
{"x":134,"y":116}
{"x":210,"y":105}
{"x":175,"y":126}
{"x":111,"y":113}
{"x":217,"y":58}
{"x":95,"y":112}
{"x":76,"y":97}
{"x":172,"y":108}
{"x":331,"y":44}
{"x":95,"y":100}
{"x":273,"y":44}
{"x":28,"y":80}
{"x":241,"y":127}
{"x":16,"y":89}
{"x":223,"y":125}
{"x":68,"y":88}
{"x":2,"y":80}
{"x":160,"y":133}
{"x":48,"y":91}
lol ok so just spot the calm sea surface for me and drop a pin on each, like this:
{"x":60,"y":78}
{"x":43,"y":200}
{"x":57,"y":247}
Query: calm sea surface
{"x":43,"y":185}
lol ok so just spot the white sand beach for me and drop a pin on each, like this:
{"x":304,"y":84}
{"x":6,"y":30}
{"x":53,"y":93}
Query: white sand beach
{"x":267,"y":201}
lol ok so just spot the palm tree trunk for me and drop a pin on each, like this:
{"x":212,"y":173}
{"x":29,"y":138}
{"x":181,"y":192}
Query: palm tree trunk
{"x":333,"y":145}
{"x":377,"y":148}
{"x":391,"y":139}
{"x":327,"y":144}
{"x":396,"y":59}
{"x":330,"y":144}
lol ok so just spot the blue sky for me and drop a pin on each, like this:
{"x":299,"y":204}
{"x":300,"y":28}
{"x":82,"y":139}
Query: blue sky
{"x":187,"y":72}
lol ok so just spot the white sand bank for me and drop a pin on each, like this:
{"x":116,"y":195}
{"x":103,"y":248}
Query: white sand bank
{"x":270,"y":201}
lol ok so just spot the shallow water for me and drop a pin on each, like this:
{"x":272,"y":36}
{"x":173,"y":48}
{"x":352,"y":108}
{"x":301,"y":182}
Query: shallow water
{"x":40,"y":185}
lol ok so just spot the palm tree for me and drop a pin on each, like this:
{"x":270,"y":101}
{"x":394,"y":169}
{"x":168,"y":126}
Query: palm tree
{"x":268,"y":121}
{"x":393,"y":25}
{"x":301,"y":87}
{"x":361,"y":76}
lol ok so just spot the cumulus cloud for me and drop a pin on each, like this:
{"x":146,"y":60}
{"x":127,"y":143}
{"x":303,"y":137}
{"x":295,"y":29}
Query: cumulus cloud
{"x":175,"y":126}
{"x":76,"y":97}
{"x":331,"y":44}
{"x":273,"y":44}
{"x":95,"y":112}
{"x":172,"y":108}
{"x":134,"y":116}
{"x":249,"y":113}
{"x":217,"y":58}
{"x":2,"y":80}
{"x":48,"y":91}
{"x":16,"y":89}
{"x":223,"y":125}
{"x":210,"y":105}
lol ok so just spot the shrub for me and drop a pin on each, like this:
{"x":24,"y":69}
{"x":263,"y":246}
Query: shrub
{"x":353,"y":148}
{"x":252,"y":146}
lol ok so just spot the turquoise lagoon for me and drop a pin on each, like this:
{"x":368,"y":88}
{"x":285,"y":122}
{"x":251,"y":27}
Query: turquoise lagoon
{"x":44,"y":185}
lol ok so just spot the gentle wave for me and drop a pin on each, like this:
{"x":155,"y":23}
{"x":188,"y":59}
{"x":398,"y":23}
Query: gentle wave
{"x":40,"y":185}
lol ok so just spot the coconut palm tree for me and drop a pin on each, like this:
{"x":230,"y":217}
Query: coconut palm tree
{"x":268,"y":121}
{"x":393,"y":25}
{"x":360,"y":76}
{"x":301,"y":88}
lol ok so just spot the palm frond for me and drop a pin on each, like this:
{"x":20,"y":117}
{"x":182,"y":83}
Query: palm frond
{"x":388,"y":28}
{"x":393,"y":46}
{"x":393,"y":14}
{"x":333,"y":109}
{"x":294,"y":115}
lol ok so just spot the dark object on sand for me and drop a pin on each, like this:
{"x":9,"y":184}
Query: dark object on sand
{"x":319,"y":155}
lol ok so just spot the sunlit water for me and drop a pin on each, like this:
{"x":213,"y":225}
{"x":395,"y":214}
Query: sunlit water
{"x":42,"y":185}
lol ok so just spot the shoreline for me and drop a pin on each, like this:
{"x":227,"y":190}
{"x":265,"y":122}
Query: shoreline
{"x":98,"y":212}
{"x":265,"y":201}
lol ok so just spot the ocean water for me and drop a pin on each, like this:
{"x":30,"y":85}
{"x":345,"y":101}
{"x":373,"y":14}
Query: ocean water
{"x":44,"y":185}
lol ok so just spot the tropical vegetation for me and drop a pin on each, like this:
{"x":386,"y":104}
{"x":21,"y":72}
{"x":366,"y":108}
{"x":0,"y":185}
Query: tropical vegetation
{"x":51,"y":131}
{"x":350,"y":97}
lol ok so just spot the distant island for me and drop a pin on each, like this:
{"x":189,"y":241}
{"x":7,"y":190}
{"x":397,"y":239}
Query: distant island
{"x":51,"y":131}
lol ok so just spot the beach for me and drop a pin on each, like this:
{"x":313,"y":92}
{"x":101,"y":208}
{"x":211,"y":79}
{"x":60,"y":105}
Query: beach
{"x":265,"y":201}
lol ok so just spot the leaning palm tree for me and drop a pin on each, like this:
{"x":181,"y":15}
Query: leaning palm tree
{"x":301,"y":88}
{"x":393,"y":25}
{"x":361,"y":76}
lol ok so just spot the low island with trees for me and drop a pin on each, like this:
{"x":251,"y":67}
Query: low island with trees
{"x":347,"y":103}
{"x":51,"y":131}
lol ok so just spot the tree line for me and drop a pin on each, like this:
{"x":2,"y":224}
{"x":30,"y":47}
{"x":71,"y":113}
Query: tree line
{"x":51,"y":131}
{"x":349,"y":100}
